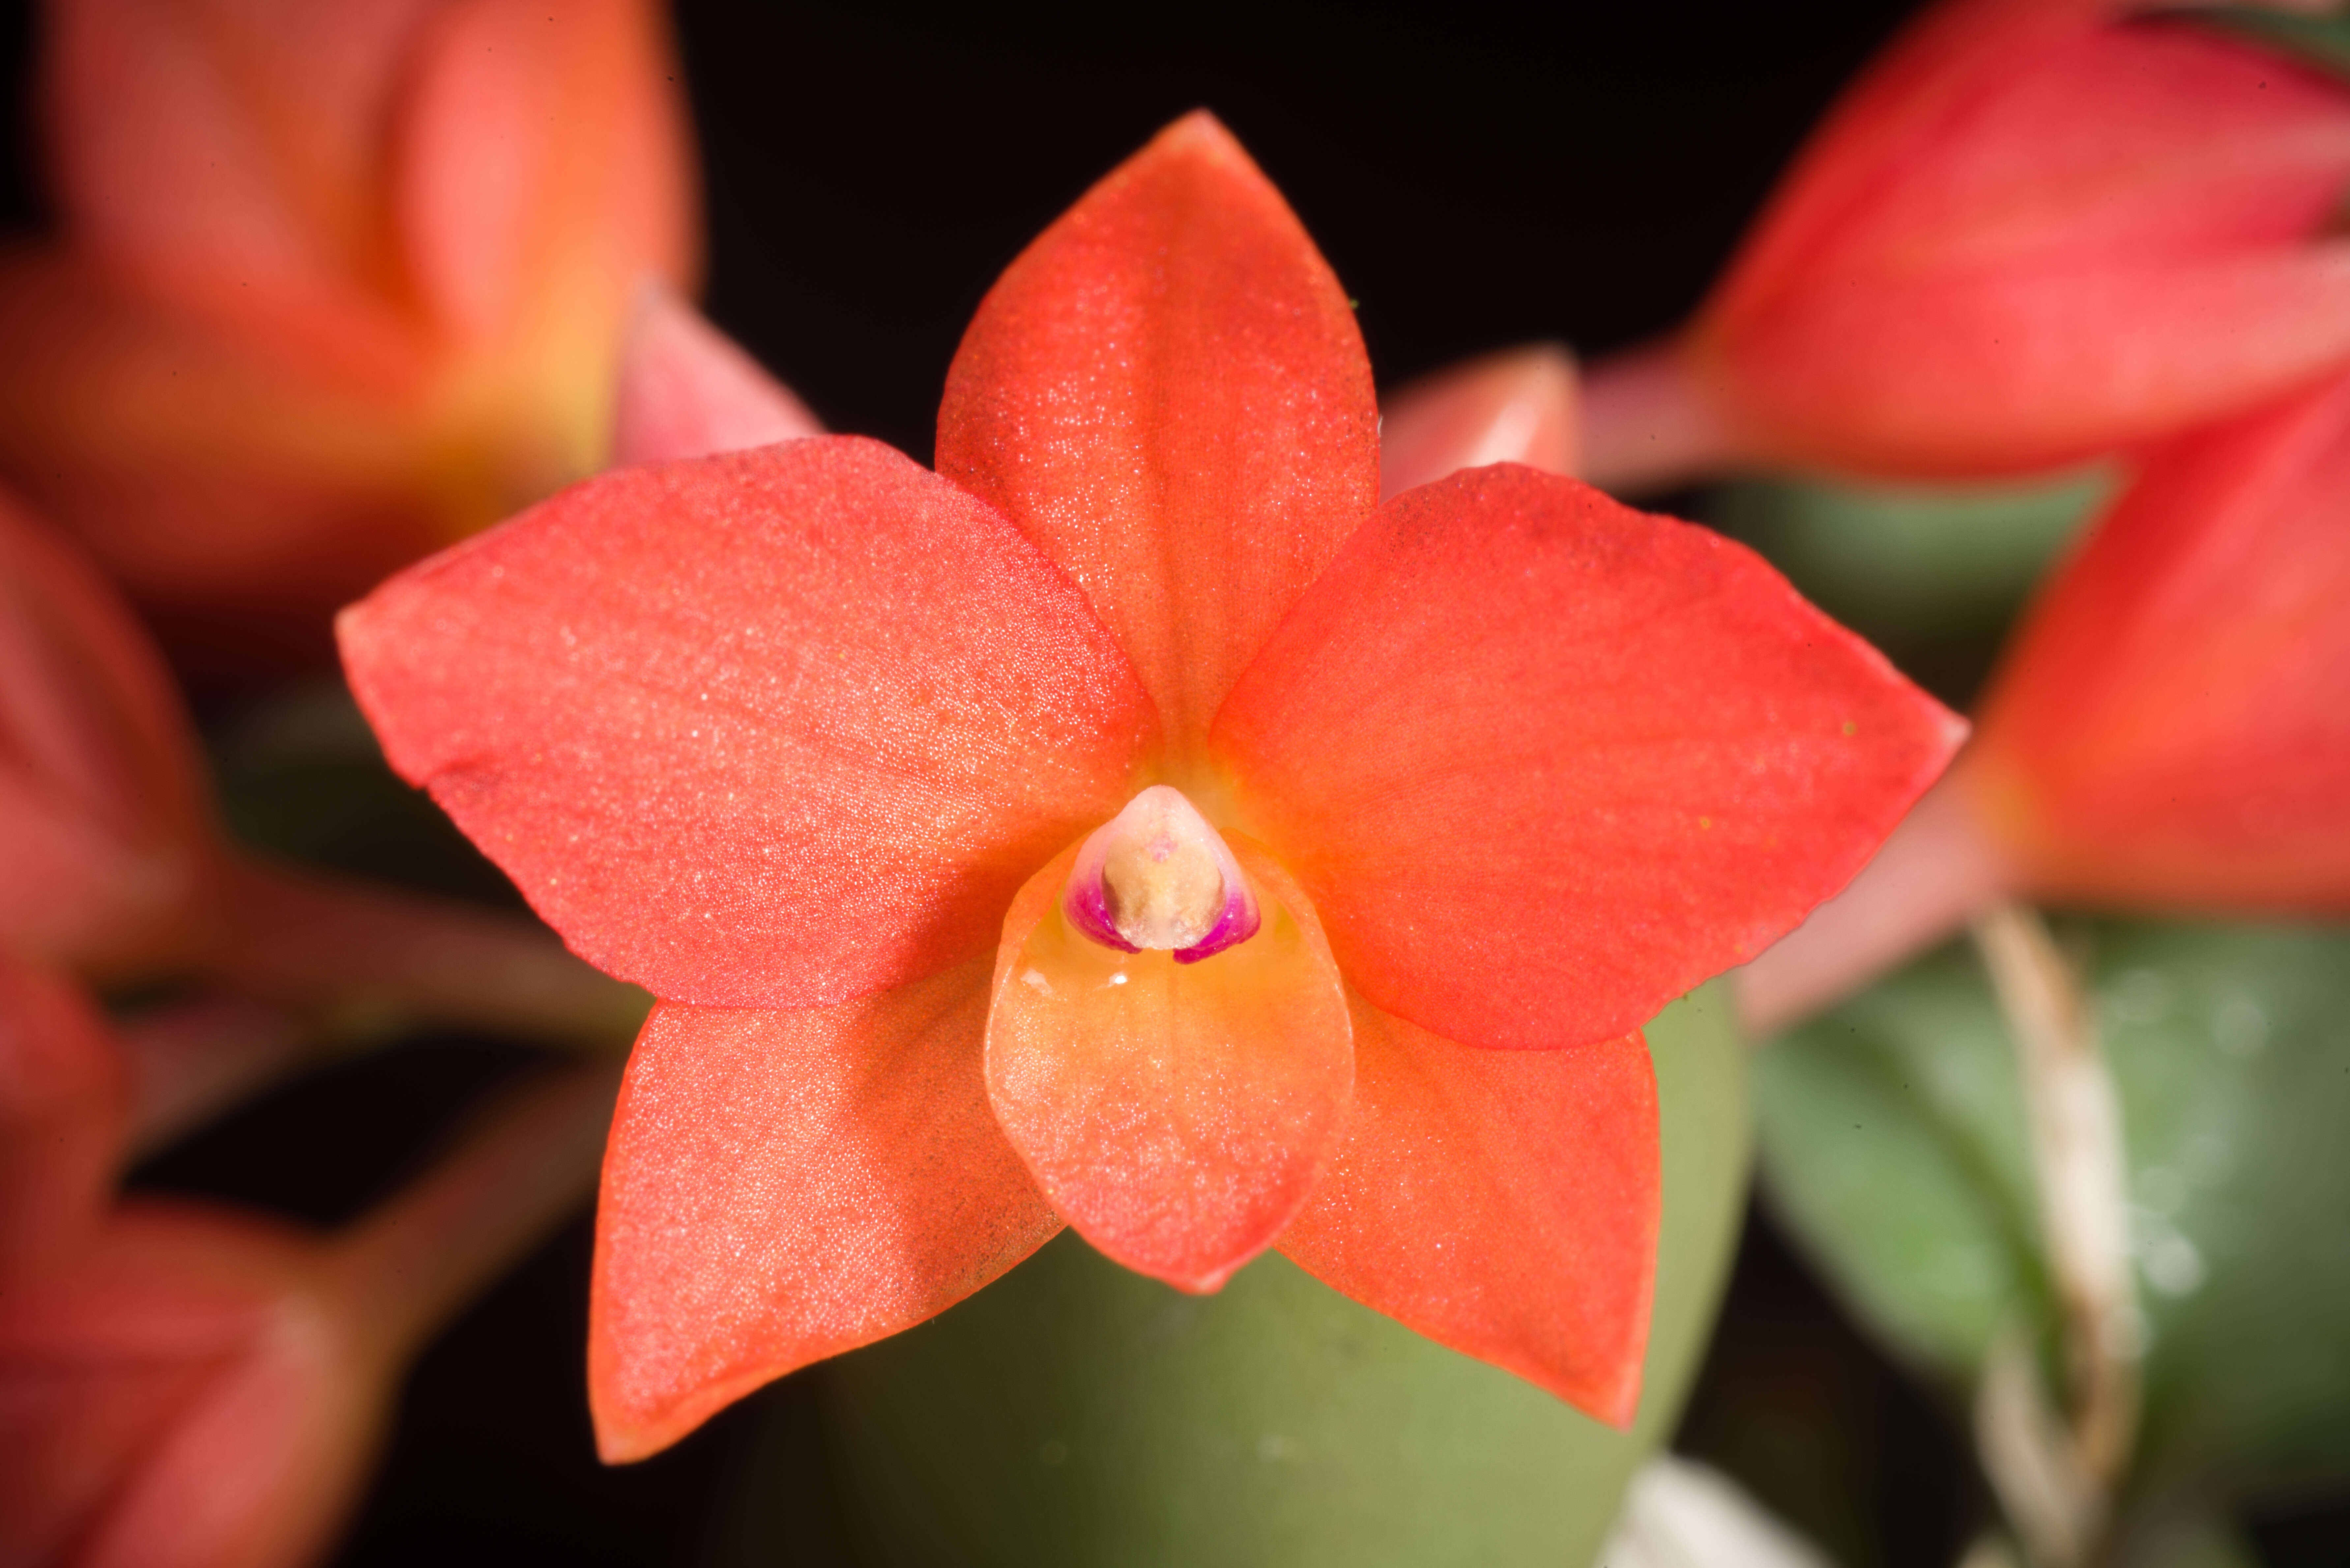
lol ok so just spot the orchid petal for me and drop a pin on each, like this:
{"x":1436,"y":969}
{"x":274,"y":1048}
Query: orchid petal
{"x":773,"y":729}
{"x":1175,"y":1113}
{"x":687,"y":389}
{"x":2172,"y":726}
{"x":1167,"y":392}
{"x":784,"y":1186}
{"x":1504,"y":1203}
{"x":1545,"y":762}
{"x":1517,"y":406}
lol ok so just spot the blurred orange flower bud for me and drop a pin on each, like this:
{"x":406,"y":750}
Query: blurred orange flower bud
{"x":338,"y":284}
{"x":2034,"y":232}
{"x":196,"y":1388}
{"x":2170,"y":730}
{"x":1515,"y":406}
{"x":65,"y":1101}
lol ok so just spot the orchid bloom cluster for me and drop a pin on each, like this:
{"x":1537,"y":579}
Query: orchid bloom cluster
{"x":1217,"y":809}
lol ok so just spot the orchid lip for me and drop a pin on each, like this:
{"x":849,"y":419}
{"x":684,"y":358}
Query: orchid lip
{"x":1158,"y":878}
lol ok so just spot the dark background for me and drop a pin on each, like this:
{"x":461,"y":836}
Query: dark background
{"x":1477,"y":180}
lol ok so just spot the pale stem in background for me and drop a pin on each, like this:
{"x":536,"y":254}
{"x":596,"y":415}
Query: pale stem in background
{"x":1645,"y":427}
{"x":191,"y":1060}
{"x":380,"y":960}
{"x":2074,"y":1124}
{"x":416,"y":1260}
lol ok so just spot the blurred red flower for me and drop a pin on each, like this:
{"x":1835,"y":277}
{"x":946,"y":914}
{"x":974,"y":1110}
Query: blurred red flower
{"x":2170,"y":729}
{"x":338,"y":284}
{"x":189,"y":1388}
{"x":2035,"y":231}
{"x":1134,"y":824}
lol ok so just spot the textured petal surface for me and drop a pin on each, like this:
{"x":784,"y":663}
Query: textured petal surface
{"x":687,"y":389}
{"x":773,"y":729}
{"x":2173,"y":725}
{"x":1502,"y":1202}
{"x":1175,"y":1113}
{"x":784,"y":1186}
{"x":2032,"y":235}
{"x":1167,"y":390}
{"x":64,"y":1114}
{"x":103,"y":819}
{"x":1544,"y":763}
{"x":1517,"y":406}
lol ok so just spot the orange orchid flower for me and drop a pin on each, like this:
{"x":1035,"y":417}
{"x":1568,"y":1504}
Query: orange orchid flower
{"x":338,"y":284}
{"x":1134,"y":824}
{"x":2170,"y":729}
{"x":191,"y":1387}
{"x":2034,"y":232}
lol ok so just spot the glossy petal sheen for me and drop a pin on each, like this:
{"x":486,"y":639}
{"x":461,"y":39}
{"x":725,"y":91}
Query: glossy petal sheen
{"x":1544,"y":763}
{"x":784,"y":1186}
{"x":64,"y":1112}
{"x":1502,"y":1202}
{"x":1175,"y":1113}
{"x":687,"y":389}
{"x":2035,"y":235}
{"x":2173,"y":725}
{"x":1517,"y":406}
{"x":773,"y":729}
{"x":1167,"y":392}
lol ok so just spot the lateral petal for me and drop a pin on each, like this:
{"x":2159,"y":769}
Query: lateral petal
{"x":782,"y":1186}
{"x":771,"y":729}
{"x":1175,"y":1113}
{"x":1504,"y":1203}
{"x":1545,"y":762}
{"x":1167,"y":390}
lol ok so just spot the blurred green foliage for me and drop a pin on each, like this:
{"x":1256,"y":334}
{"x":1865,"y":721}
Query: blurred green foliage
{"x":1893,"y":1144}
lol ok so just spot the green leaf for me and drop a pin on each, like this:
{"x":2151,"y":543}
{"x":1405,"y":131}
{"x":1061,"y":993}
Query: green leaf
{"x":2322,"y":42}
{"x":1932,"y":575}
{"x":1893,"y":1144}
{"x":1076,"y":1413}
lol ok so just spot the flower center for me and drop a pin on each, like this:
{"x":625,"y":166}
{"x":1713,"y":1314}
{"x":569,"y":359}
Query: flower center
{"x":1158,"y":878}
